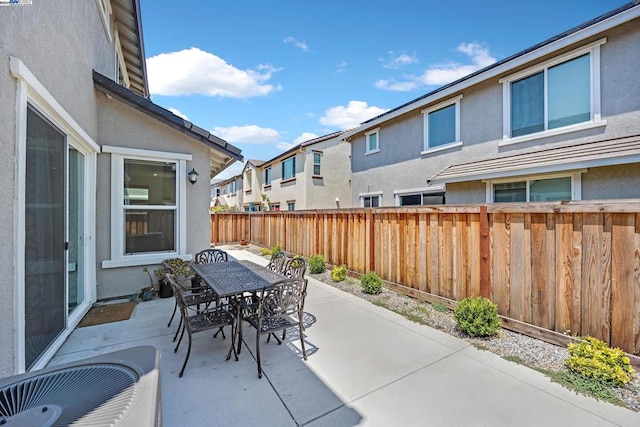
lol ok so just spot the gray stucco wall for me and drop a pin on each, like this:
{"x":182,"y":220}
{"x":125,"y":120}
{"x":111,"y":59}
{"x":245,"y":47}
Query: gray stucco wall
{"x":335,"y":172}
{"x":399,"y":164}
{"x":120,"y":125}
{"x":60,"y":42}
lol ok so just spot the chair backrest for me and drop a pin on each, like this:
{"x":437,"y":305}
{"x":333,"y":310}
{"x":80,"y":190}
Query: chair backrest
{"x":210,"y":256}
{"x":282,"y":299}
{"x":178,"y":291}
{"x":277,"y":262}
{"x":295,"y":267}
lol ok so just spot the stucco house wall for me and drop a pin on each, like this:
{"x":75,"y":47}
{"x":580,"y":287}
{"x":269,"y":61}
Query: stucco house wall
{"x":401,"y":164}
{"x":332,"y":189}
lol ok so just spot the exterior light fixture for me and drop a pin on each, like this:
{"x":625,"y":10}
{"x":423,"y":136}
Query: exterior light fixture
{"x":193,"y":176}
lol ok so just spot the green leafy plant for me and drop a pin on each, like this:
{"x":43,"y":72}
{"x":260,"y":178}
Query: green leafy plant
{"x":477,"y":317}
{"x":178,"y":266}
{"x":592,"y":358}
{"x":316,"y":264}
{"x":438,"y":306}
{"x":587,"y":386}
{"x":270,"y":251}
{"x":371,"y":283}
{"x":339,"y":273}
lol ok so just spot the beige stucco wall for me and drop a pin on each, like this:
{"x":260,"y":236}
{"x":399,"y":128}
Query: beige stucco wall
{"x":60,"y":42}
{"x":335,"y":169}
{"x":291,"y":189}
{"x":123,"y":126}
{"x":400,"y":165}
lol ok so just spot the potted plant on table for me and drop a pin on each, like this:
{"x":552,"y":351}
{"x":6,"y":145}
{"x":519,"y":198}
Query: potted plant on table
{"x":177,"y":266}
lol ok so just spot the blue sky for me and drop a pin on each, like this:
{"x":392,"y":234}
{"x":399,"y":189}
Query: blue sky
{"x":266,"y":75}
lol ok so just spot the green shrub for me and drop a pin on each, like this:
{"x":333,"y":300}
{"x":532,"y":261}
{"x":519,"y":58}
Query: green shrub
{"x":270,"y":251}
{"x":371,"y":283}
{"x":477,"y":317}
{"x":339,"y":273}
{"x":592,"y":358}
{"x":316,"y":264}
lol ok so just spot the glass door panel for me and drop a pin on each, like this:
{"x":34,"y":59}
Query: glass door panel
{"x":45,"y":269}
{"x":75,"y":263}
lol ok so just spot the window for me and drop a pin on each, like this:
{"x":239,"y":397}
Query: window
{"x":274,"y":206}
{"x":556,"y":96}
{"x":544,"y":189}
{"x":148,"y":206}
{"x":247,"y":182}
{"x":267,"y":176}
{"x":231,"y":187}
{"x":291,"y":206}
{"x":372,"y":139}
{"x":317,"y":157}
{"x":370,"y":201}
{"x":442,"y":125}
{"x":217,"y":192}
{"x":421,"y":199}
{"x":289,"y":168}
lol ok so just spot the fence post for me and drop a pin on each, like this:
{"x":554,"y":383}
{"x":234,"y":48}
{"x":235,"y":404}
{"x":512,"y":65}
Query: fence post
{"x":485,"y":251}
{"x":371,"y":238}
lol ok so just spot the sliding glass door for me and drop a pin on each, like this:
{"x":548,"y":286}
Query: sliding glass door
{"x":45,"y":258}
{"x":75,"y":263}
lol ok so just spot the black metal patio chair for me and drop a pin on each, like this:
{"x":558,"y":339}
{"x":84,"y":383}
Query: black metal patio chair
{"x":280,"y":306}
{"x":277,"y":262}
{"x":203,"y":320}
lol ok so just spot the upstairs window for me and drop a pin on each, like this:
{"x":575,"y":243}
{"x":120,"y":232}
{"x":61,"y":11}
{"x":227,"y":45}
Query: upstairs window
{"x":372,"y":140}
{"x":289,"y":168}
{"x":317,"y":157}
{"x":554,"y":97}
{"x":442,"y":125}
{"x":231,"y":187}
{"x":267,"y":176}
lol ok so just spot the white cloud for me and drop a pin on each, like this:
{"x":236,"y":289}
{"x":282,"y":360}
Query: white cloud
{"x":446,"y":73}
{"x":399,"y":60}
{"x":284,"y":146}
{"x":297,"y":43}
{"x":306,"y":136}
{"x":342,"y":65}
{"x":350,"y":116}
{"x":249,"y":134}
{"x":193,"y":71}
{"x":178,"y":113}
{"x":441,"y":74}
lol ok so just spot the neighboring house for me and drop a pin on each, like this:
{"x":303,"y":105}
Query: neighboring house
{"x":230,"y":192}
{"x":95,"y":175}
{"x":311,"y":175}
{"x":558,"y":121}
{"x":252,"y":200}
{"x":215,"y":192}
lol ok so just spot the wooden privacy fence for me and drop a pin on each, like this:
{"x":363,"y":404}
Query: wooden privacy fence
{"x":552,"y":268}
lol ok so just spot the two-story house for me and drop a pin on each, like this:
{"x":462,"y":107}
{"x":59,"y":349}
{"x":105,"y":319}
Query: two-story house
{"x":311,"y":175}
{"x":96,"y":182}
{"x":229,"y":192}
{"x":557,"y":121}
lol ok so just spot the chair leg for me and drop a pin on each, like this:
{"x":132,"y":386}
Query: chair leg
{"x":175,"y":350}
{"x":258,"y":353}
{"x":304,"y":351}
{"x":186,"y":359}
{"x":177,"y":330}
{"x":239,"y":320}
{"x":220,"y":330}
{"x":175,"y":308}
{"x":233,"y":343}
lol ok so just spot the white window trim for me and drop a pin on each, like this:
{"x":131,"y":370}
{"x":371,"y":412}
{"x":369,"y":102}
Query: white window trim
{"x":30,"y":92}
{"x":596,"y":116}
{"x":118,"y":257}
{"x":424,"y":190}
{"x":104,"y":10}
{"x":425,"y":120}
{"x":313,"y":162}
{"x":292,"y":177}
{"x":366,"y":141}
{"x":120,"y":64}
{"x":361,"y":197}
{"x":575,"y":175}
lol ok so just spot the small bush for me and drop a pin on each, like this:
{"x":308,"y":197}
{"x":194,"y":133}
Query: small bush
{"x":592,"y":358}
{"x":270,"y":251}
{"x":316,"y":264}
{"x":477,"y":317}
{"x":339,"y":273}
{"x":371,"y":283}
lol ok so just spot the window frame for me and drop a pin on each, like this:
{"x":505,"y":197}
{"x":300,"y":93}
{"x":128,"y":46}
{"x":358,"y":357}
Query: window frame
{"x":367,"y":135}
{"x":434,"y":190}
{"x":318,"y":164}
{"x":118,"y":256}
{"x":283,"y":162}
{"x":425,"y":120}
{"x":376,"y":194}
{"x":268,"y":176}
{"x":104,"y":10}
{"x":576,"y":184}
{"x":593,"y":49}
{"x":291,"y":203}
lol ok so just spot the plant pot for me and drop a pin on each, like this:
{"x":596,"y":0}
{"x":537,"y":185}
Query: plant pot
{"x":165,"y":290}
{"x":244,"y":242}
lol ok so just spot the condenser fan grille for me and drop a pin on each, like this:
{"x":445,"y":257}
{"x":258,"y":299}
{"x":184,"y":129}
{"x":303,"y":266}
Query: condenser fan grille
{"x":92,"y":395}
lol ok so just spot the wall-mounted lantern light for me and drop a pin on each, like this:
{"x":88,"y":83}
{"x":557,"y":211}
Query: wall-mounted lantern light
{"x":193,"y":176}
